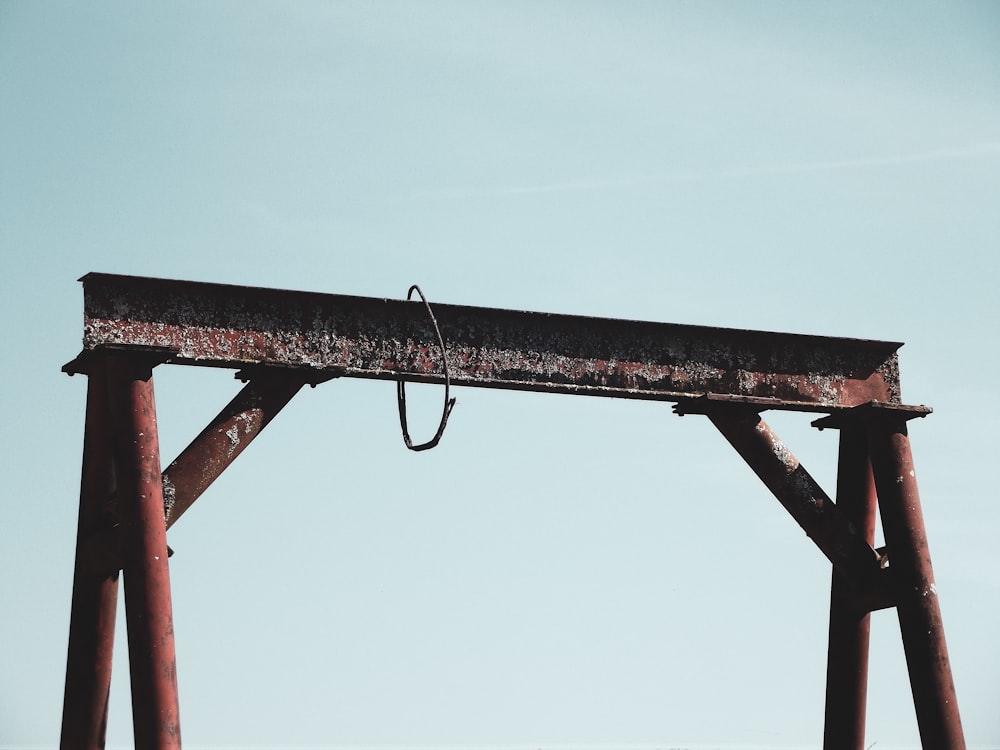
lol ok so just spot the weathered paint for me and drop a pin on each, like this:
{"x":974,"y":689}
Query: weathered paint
{"x":148,"y":608}
{"x":912,"y":576}
{"x":850,"y":621}
{"x":224,"y":439}
{"x":230,"y":326}
{"x":288,"y":339}
{"x":95,"y":588}
{"x":800,"y":494}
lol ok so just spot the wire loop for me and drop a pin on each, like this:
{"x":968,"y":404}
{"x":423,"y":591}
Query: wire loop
{"x":449,"y":403}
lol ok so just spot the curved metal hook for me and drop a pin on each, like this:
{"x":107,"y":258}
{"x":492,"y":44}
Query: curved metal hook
{"x":449,"y":403}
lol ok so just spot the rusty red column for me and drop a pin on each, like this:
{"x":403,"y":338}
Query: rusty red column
{"x":95,"y":591}
{"x":847,"y":656}
{"x":148,"y":610}
{"x":913,"y":581}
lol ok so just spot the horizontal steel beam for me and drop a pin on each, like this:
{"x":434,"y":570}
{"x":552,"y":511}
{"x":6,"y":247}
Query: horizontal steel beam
{"x":231,"y":326}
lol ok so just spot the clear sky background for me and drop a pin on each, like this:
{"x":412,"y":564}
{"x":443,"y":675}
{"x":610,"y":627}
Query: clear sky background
{"x":561,"y":571}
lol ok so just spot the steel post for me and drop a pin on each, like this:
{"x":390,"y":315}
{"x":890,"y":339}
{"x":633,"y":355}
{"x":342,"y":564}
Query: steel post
{"x":847,"y":656}
{"x":913,"y":580}
{"x":155,"y":713}
{"x":95,"y":591}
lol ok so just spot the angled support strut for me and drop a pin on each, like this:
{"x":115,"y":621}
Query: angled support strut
{"x":227,"y":436}
{"x":771,"y":460}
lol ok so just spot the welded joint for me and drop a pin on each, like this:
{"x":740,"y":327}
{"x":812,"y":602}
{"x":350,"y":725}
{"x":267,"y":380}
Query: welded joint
{"x":151,"y":355}
{"x":103,"y":551}
{"x":311,"y":377}
{"x":876,"y":590}
{"x":857,"y":414}
{"x":872,"y":593}
{"x":707,"y":403}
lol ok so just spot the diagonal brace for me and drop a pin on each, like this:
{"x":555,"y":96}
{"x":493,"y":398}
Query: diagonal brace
{"x":267,"y":391}
{"x":837,"y":538}
{"x":227,"y":436}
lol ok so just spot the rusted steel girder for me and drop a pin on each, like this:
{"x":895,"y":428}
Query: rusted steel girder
{"x":231,"y":326}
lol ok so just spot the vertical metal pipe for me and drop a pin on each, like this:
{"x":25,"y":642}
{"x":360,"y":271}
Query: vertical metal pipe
{"x":847,"y":655}
{"x":913,"y":580}
{"x":95,"y":592}
{"x":152,"y":664}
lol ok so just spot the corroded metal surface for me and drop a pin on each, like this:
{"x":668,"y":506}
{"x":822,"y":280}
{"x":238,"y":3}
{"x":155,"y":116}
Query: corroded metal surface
{"x":917,"y":607}
{"x":225,"y":437}
{"x":283,"y":340}
{"x":850,"y":623}
{"x":230,"y":326}
{"x":793,"y":486}
{"x":95,"y":592}
{"x":148,"y":608}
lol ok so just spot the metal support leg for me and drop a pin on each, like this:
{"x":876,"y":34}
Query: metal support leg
{"x":847,"y":659}
{"x":155,"y":713}
{"x":95,"y":592}
{"x":913,"y":580}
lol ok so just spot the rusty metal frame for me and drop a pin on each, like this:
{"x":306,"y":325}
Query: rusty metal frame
{"x":281,"y":341}
{"x":217,"y":325}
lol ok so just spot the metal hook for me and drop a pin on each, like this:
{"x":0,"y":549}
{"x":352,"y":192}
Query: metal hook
{"x":449,"y":403}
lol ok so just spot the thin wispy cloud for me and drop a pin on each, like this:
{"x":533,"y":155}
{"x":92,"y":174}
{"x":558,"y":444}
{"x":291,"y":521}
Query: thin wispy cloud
{"x":988,"y":149}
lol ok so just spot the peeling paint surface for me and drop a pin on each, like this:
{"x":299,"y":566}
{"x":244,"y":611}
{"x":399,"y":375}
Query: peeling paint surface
{"x":233,"y":433}
{"x":229,"y":326}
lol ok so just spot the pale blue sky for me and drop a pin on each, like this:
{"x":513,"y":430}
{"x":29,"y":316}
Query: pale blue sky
{"x":560,"y":571}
